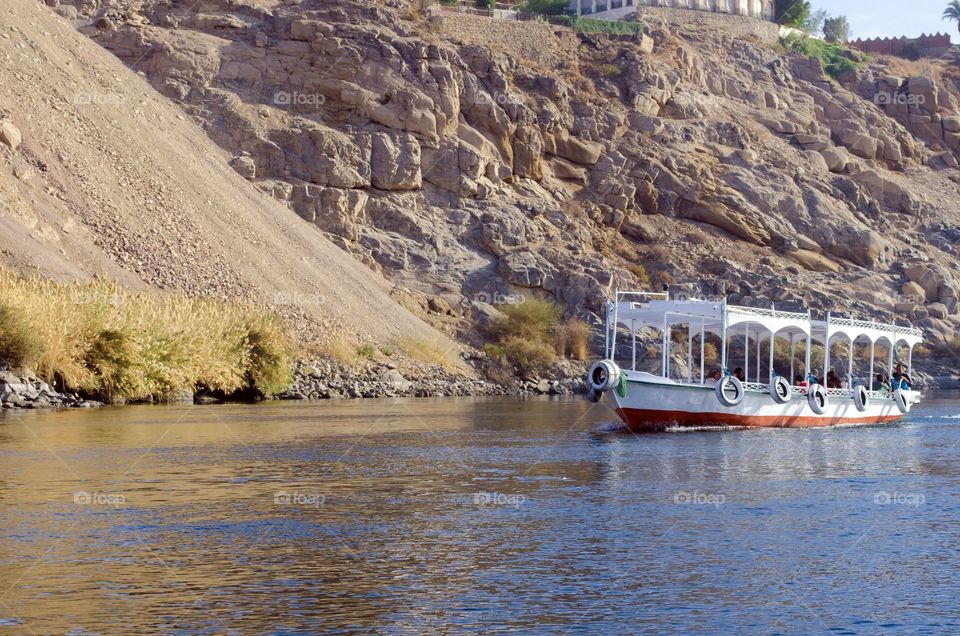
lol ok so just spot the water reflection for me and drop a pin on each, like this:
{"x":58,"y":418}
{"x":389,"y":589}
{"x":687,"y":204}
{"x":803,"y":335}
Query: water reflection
{"x":465,"y":515}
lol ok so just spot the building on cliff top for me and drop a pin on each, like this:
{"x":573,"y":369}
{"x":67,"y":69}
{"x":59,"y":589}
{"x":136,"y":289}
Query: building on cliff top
{"x":616,"y":9}
{"x":923,"y":46}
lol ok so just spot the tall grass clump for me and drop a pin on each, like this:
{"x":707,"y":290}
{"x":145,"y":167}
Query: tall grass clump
{"x":94,"y":338}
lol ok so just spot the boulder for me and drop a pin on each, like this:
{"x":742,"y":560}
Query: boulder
{"x":951,"y":123}
{"x":811,"y":142}
{"x":526,"y":269}
{"x":245,"y":166}
{"x":10,"y":134}
{"x":914,"y":292}
{"x":393,"y":379}
{"x":395,"y":162}
{"x":528,"y":153}
{"x":938,"y":310}
{"x":567,"y":171}
{"x":574,"y":149}
{"x":927,"y":279}
{"x":837,"y":159}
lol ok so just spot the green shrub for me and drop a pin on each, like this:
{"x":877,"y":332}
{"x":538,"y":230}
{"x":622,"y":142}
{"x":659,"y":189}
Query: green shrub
{"x":530,"y":337}
{"x":591,"y":25}
{"x":610,"y":70}
{"x":111,"y":358}
{"x":271,"y":353}
{"x":544,"y":7}
{"x":366,"y":351}
{"x":532,"y":320}
{"x":529,"y":357}
{"x":834,"y":60}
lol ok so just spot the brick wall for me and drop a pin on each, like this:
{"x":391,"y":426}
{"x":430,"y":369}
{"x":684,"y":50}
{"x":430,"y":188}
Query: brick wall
{"x":928,"y":45}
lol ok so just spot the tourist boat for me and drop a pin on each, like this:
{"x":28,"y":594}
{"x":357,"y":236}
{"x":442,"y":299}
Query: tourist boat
{"x":774,"y":392}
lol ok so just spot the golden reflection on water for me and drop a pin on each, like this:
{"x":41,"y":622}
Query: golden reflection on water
{"x":415,"y":515}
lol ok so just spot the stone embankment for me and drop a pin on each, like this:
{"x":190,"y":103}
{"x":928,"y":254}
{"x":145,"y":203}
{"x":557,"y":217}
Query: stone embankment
{"x":327,"y":379}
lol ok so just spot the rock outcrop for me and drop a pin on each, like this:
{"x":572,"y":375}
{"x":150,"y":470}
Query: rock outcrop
{"x":566,"y":165}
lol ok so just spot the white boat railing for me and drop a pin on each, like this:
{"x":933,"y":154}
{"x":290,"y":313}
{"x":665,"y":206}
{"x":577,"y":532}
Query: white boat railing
{"x":867,"y":324}
{"x":767,"y":313}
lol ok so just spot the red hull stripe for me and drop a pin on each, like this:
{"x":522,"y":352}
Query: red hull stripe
{"x":647,"y":419}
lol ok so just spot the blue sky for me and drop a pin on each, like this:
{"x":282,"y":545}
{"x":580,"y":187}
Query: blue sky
{"x":869,"y":18}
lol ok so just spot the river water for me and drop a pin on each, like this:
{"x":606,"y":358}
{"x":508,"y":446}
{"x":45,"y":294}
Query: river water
{"x":487,"y":515}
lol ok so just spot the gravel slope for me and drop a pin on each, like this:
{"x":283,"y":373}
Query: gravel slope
{"x":111,"y":179}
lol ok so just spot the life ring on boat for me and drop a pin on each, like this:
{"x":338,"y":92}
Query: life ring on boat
{"x":604,"y":375}
{"x":817,"y":398}
{"x":860,"y":397}
{"x":729,"y":382}
{"x":902,"y":402}
{"x":780,"y":390}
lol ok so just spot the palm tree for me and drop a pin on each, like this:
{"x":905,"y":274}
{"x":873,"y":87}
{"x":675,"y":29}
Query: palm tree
{"x":952,"y":12}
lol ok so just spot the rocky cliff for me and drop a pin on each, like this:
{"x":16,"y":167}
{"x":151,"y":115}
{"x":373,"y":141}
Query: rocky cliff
{"x":471,"y":161}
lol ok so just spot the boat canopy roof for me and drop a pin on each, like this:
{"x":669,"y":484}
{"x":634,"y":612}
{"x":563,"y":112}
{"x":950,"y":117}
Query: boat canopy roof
{"x":636,"y":310}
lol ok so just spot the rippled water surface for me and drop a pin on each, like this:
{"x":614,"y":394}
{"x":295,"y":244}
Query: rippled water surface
{"x":455,"y":516}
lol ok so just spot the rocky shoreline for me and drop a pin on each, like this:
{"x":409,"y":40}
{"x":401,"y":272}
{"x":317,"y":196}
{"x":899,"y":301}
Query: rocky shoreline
{"x":30,"y":392}
{"x":327,"y":379}
{"x":324,"y":379}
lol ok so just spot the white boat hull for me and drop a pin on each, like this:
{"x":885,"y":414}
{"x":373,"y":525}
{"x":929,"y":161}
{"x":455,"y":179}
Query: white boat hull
{"x":652,"y":403}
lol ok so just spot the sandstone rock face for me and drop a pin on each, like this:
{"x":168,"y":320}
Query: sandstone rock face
{"x":395,"y":162}
{"x":471,"y":157}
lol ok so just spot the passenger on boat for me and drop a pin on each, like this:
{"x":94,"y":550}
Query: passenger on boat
{"x":883,"y":380}
{"x":833,"y":380}
{"x":738,"y":374}
{"x":714,"y":376}
{"x":802,"y":383}
{"x":900,"y":378}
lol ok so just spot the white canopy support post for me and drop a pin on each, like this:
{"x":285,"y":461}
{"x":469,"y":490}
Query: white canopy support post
{"x":606,"y":334}
{"x":703,"y":334}
{"x":850,"y":367}
{"x":893,"y":340}
{"x":723,"y":335}
{"x":616,"y":317}
{"x":758,"y":356}
{"x":689,"y":353}
{"x":826,"y":351}
{"x":633,"y":330}
{"x":746,"y":351}
{"x":806,"y":373}
{"x":873,"y":354}
{"x":773,"y":337}
{"x":666,"y":344}
{"x":910,"y":361}
{"x":793,"y":355}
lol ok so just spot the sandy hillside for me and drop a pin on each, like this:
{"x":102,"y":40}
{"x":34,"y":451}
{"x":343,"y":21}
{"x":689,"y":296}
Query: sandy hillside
{"x":112,"y":179}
